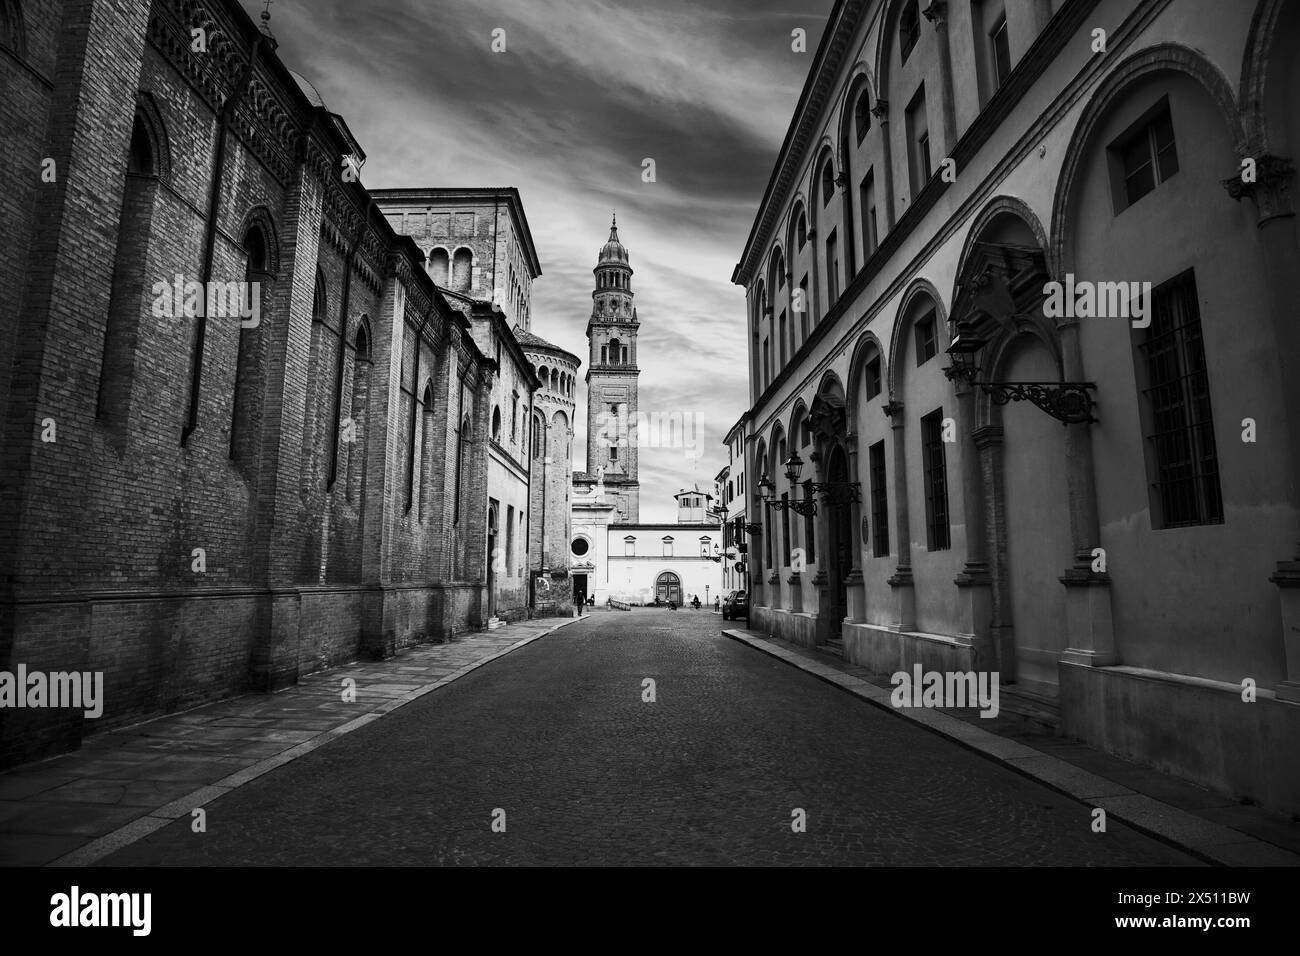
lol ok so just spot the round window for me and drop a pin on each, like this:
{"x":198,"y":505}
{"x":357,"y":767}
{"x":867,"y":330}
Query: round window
{"x":580,"y":546}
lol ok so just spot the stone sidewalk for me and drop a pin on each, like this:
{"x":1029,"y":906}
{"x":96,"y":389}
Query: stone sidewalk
{"x":1209,"y":825}
{"x":124,"y":784}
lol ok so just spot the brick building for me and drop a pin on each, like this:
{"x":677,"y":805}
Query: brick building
{"x":477,"y":245}
{"x":551,"y":458}
{"x":476,"y":242}
{"x":206,"y":504}
{"x":1123,"y":554}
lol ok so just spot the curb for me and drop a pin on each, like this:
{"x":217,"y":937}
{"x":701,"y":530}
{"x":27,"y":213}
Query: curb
{"x":160,"y":817}
{"x":1200,"y":838}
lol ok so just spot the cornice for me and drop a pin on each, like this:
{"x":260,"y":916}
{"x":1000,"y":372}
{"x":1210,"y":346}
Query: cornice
{"x":265,"y":121}
{"x":817,"y":92}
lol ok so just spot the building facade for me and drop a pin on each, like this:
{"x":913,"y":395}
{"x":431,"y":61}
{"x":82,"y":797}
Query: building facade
{"x":552,"y":468}
{"x":641,"y":563}
{"x":988,"y":219}
{"x":479,"y":252}
{"x":231,"y":392}
{"x":515,"y":386}
{"x":475,"y":242}
{"x":735,"y":541}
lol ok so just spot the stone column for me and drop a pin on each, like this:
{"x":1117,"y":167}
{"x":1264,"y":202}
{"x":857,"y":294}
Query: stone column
{"x":937,"y":13}
{"x":1271,"y":193}
{"x":901,"y":580}
{"x":855,"y":588}
{"x":881,"y":112}
{"x":974,"y":582}
{"x":988,"y":439}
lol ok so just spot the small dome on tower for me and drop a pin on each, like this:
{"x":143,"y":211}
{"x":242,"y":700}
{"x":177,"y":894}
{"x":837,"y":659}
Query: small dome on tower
{"x":613,"y":250}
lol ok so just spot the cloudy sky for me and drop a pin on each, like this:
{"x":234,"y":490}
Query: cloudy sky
{"x":584,"y":92}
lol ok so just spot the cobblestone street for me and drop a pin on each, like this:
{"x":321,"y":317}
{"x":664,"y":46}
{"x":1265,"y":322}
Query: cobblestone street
{"x":557,"y":735}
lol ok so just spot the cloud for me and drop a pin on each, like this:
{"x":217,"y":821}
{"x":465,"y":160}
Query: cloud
{"x":586,"y":90}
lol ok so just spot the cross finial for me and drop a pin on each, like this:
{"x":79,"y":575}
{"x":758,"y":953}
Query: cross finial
{"x":266,"y":15}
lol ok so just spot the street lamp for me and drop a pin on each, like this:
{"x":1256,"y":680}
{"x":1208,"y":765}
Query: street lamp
{"x":793,"y":468}
{"x":842,"y":492}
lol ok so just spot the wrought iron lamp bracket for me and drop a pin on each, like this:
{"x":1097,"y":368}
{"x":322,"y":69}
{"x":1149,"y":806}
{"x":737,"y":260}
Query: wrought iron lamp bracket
{"x":838,"y":492}
{"x":1068,"y":402}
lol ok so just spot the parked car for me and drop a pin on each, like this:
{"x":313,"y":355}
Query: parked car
{"x":734,"y":605}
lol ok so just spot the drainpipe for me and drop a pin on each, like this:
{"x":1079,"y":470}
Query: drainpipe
{"x":343,"y":341}
{"x":210,"y":237}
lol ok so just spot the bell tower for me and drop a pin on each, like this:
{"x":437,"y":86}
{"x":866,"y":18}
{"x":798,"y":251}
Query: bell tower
{"x":612,"y":375}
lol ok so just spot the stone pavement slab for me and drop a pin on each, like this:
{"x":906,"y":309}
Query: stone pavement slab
{"x":124,"y":784}
{"x":1206,"y":824}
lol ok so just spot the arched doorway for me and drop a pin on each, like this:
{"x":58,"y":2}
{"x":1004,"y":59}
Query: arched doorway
{"x":491,"y":561}
{"x":839,"y":525}
{"x":1036,"y":523}
{"x":668,"y":588}
{"x":1023,"y":535}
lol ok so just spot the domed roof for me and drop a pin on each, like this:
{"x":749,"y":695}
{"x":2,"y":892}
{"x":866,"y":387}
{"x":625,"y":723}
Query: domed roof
{"x":613,"y":250}
{"x":530,"y":341}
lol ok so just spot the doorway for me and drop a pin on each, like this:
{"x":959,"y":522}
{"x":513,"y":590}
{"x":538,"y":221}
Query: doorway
{"x":668,"y":588}
{"x":579,"y":589}
{"x":491,"y":561}
{"x":839,"y":524}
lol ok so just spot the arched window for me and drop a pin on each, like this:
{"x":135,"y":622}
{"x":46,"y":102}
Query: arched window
{"x":539,"y":437}
{"x":462,"y":450}
{"x":862,"y":115}
{"x":316,"y":361}
{"x":828,"y":182}
{"x":801,"y":230}
{"x":426,"y":446}
{"x":615,"y":352}
{"x":246,"y":407}
{"x":117,"y":370}
{"x":438,"y":266}
{"x":12,"y":33}
{"x":354,"y":431}
{"x":496,"y":423}
{"x":462,"y":272}
{"x":909,"y":30}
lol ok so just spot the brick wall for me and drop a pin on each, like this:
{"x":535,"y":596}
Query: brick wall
{"x":135,"y":545}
